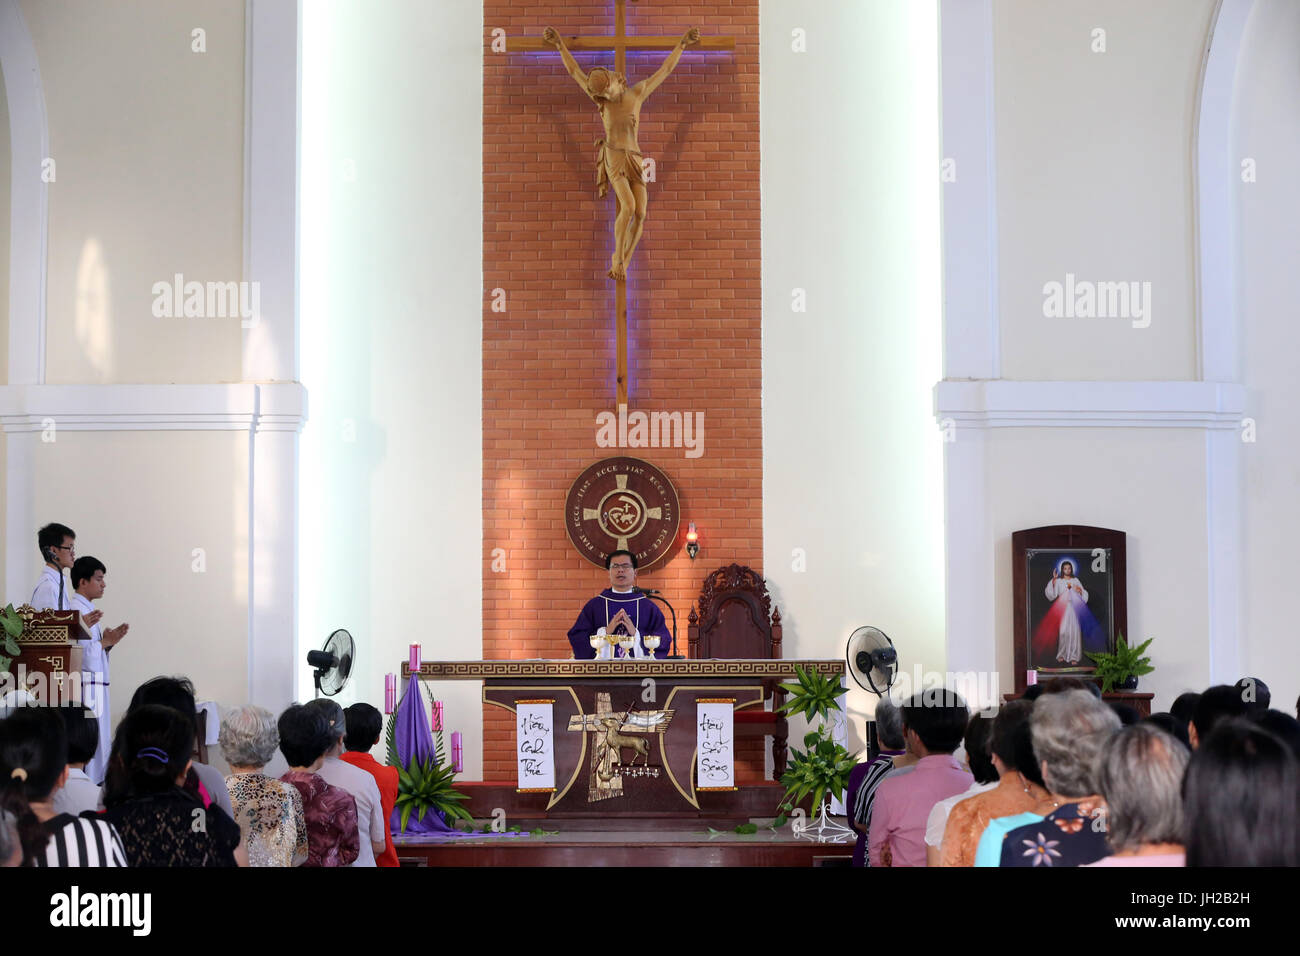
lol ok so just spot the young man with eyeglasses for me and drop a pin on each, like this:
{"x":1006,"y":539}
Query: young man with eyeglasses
{"x":619,"y":609}
{"x":57,"y":543}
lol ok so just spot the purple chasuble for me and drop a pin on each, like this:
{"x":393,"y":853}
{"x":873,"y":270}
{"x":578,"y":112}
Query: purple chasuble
{"x":601,"y":609}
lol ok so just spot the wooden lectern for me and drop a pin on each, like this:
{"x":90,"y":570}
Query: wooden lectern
{"x":49,"y":664}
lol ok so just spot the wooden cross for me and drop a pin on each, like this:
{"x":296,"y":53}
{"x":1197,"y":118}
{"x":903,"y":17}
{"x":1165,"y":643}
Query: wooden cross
{"x":620,"y":43}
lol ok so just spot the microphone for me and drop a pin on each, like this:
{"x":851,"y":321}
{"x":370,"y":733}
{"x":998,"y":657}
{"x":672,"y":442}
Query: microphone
{"x":646,"y":591}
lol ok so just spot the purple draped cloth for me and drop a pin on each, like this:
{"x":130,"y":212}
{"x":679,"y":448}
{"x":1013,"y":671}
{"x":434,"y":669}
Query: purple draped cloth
{"x":415,"y":739}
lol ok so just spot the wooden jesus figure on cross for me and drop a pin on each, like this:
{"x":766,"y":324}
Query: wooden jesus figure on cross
{"x":618,"y":164}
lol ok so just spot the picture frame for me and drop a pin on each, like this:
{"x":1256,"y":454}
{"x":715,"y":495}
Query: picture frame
{"x":1070,"y":598}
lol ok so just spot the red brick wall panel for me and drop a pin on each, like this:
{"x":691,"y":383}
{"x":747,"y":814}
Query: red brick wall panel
{"x":694,"y":294}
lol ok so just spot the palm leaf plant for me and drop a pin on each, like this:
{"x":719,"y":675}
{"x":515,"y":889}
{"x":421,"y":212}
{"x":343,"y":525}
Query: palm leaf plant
{"x":11,"y":628}
{"x":424,"y":785}
{"x":823,"y":767}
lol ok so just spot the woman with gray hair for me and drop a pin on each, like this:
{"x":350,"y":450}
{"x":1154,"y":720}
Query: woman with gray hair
{"x":1140,"y":776}
{"x":865,"y":778}
{"x":1069,"y":731}
{"x":268,"y":811}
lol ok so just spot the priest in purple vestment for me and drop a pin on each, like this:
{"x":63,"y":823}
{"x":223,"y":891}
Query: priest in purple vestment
{"x":619,"y":609}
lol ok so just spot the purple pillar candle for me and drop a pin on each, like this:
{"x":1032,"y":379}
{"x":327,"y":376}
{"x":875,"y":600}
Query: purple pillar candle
{"x":415,"y":659}
{"x":456,"y":753}
{"x":436,"y":716}
{"x":390,"y":693}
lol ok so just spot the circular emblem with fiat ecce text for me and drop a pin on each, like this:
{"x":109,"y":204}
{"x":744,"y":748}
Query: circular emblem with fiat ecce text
{"x":622,"y":504}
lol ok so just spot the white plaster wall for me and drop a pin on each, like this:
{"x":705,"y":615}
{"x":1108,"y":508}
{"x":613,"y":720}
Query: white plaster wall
{"x":1268,"y":131}
{"x":1148,"y":482}
{"x":852,"y":459}
{"x":147,"y":138}
{"x":1094,"y":178}
{"x":141,"y":502}
{"x":5,"y":170}
{"x":5,"y":187}
{"x":391,"y":340}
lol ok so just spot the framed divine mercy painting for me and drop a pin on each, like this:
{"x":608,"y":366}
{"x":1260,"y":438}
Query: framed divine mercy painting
{"x":1071,"y":598}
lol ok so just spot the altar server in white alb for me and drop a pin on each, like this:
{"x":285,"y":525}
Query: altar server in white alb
{"x":88,"y":585}
{"x":58,"y":547}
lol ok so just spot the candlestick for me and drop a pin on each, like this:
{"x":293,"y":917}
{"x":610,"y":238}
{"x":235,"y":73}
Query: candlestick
{"x":456,"y":753}
{"x":390,"y":693}
{"x":415,"y":659}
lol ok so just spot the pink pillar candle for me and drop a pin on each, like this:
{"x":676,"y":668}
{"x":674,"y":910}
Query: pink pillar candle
{"x":457,"y":754}
{"x":436,"y":716}
{"x":415,"y":658}
{"x":390,"y":693}
{"x":1031,"y":678}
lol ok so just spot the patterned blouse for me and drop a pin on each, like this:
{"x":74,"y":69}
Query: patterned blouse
{"x":1072,"y":835}
{"x":969,"y":818}
{"x":270,"y":815}
{"x":331,"y":814}
{"x":159,"y":829}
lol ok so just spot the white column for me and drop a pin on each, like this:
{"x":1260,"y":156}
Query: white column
{"x":970,"y":247}
{"x":271,"y":133}
{"x":273,"y":553}
{"x":29,"y":215}
{"x":270,"y":349}
{"x":1224,"y":537}
{"x":22,"y":563}
{"x":1217,"y":179}
{"x":969,"y":558}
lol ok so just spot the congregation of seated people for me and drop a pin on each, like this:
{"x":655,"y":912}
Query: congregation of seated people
{"x":1056,"y":778}
{"x":158,"y":806}
{"x":1059,"y":777}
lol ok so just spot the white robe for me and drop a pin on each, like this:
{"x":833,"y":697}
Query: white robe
{"x":46,"y":595}
{"x":1069,"y":647}
{"x":94,"y":688}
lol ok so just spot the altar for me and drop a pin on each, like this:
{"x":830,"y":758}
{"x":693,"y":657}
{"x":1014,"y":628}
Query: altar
{"x":627,"y":783}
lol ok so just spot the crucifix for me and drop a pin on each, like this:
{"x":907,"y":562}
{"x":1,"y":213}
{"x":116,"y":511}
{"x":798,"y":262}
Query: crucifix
{"x":619,"y":160}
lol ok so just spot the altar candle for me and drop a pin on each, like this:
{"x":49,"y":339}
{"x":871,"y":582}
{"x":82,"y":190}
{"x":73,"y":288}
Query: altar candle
{"x":390,"y":693}
{"x":437,"y":716}
{"x":415,"y":658}
{"x":1031,"y":678}
{"x":456,"y":753}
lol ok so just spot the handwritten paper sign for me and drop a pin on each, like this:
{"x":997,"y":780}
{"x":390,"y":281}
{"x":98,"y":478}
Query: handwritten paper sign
{"x":535,"y":737}
{"x":714,"y":742}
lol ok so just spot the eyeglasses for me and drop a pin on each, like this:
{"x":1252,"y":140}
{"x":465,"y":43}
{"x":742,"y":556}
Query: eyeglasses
{"x":65,"y":547}
{"x":620,"y":567}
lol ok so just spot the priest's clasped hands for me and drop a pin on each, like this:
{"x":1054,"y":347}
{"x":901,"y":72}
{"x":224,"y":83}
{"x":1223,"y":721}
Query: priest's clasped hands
{"x":621,"y":618}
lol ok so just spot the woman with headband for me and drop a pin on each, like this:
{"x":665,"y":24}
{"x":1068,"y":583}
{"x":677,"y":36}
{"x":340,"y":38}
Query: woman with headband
{"x":161,"y":823}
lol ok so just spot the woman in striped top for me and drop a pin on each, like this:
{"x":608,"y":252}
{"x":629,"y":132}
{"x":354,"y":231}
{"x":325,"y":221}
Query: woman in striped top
{"x":33,"y":766}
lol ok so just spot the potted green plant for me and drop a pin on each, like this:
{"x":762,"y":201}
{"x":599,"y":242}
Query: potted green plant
{"x":1123,"y":668}
{"x":822,"y":769}
{"x":11,"y":628}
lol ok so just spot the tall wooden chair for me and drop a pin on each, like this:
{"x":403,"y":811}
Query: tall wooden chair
{"x":736,"y":620}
